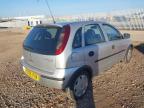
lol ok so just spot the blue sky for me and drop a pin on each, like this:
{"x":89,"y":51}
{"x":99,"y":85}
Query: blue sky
{"x":10,"y":8}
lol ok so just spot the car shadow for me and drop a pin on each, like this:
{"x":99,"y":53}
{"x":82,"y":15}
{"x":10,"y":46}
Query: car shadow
{"x":140,"y":47}
{"x":87,"y":101}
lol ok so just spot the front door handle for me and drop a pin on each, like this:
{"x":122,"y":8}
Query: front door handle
{"x":91,"y":53}
{"x":113,"y":46}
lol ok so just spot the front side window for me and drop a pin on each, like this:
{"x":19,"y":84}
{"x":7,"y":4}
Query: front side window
{"x":93,"y":34}
{"x":77,"y":43}
{"x":112,"y":33}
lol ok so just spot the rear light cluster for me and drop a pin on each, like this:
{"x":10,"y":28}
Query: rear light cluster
{"x":64,"y":36}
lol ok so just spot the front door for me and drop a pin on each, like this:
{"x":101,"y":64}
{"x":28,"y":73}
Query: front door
{"x":116,"y":39}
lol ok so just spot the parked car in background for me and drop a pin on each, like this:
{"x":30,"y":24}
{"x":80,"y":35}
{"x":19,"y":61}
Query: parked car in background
{"x":69,"y":55}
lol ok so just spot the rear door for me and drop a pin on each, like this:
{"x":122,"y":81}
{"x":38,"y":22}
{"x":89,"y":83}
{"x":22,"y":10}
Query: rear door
{"x":40,"y":46}
{"x":96,"y":48}
{"x":77,"y":57}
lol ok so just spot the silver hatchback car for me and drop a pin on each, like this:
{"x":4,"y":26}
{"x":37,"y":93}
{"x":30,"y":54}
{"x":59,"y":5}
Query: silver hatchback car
{"x":68,"y":55}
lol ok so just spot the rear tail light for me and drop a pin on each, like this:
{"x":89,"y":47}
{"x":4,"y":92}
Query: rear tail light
{"x":64,"y":36}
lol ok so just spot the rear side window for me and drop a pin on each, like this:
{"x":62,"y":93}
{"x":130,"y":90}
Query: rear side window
{"x":112,"y":33}
{"x":42,"y":40}
{"x":93,"y":34}
{"x":77,"y":42}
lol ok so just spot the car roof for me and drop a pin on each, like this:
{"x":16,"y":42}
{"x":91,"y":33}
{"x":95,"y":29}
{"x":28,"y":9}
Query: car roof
{"x":61,"y":24}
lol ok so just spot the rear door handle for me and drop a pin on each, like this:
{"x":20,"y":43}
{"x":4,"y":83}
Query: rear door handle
{"x":91,"y":53}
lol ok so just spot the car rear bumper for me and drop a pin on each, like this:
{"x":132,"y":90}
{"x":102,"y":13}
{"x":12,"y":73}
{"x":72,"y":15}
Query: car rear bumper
{"x":58,"y":79}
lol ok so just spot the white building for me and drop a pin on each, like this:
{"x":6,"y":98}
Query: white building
{"x":22,"y":21}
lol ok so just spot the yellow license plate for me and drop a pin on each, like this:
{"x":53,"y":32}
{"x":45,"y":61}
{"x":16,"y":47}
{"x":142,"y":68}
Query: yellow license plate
{"x":31,"y":74}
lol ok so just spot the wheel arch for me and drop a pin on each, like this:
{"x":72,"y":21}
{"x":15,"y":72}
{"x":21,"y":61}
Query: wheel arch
{"x":88,"y":69}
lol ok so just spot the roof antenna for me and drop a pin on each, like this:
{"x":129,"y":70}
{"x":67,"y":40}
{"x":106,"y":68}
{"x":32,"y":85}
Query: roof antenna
{"x":50,"y":11}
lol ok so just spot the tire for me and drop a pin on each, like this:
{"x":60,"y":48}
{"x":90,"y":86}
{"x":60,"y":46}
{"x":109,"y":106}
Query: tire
{"x":128,"y":55}
{"x":79,"y":85}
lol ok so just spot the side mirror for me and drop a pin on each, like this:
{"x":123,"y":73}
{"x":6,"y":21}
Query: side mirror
{"x":126,"y":35}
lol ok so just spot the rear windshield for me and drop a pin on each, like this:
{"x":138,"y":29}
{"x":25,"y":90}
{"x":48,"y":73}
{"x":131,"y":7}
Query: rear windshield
{"x":42,"y":40}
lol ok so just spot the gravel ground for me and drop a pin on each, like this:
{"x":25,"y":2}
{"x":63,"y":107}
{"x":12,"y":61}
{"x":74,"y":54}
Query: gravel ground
{"x":120,"y":87}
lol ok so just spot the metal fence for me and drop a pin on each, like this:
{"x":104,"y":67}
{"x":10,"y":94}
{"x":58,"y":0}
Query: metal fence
{"x":125,"y":20}
{"x":130,"y":20}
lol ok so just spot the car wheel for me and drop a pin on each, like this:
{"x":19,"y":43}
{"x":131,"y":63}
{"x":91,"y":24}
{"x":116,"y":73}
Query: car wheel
{"x":79,"y":85}
{"x":128,"y":55}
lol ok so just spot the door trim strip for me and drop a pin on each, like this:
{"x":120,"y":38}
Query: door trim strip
{"x":109,"y":56}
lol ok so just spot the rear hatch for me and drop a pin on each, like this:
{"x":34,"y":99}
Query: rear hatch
{"x":40,"y":47}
